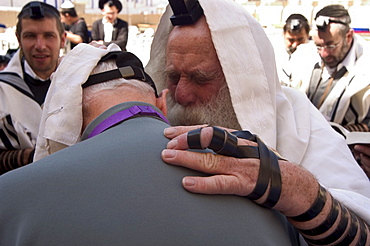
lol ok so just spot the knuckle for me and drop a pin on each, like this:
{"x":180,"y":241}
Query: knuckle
{"x":237,"y":176}
{"x":211,"y":162}
{"x":222,"y":184}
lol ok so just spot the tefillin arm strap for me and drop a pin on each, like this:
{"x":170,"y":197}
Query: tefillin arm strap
{"x":185,"y":12}
{"x":226,"y":143}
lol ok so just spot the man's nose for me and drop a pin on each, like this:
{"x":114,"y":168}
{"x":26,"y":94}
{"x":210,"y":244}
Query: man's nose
{"x":40,"y":43}
{"x":184,"y":92}
{"x":324,"y":53}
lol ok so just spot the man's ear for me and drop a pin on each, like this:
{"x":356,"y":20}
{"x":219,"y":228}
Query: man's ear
{"x":349,"y":35}
{"x":63,"y":39}
{"x":19,"y":39}
{"x":161,"y":101}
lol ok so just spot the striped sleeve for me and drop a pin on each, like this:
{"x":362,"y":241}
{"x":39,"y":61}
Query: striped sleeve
{"x":11,"y":154}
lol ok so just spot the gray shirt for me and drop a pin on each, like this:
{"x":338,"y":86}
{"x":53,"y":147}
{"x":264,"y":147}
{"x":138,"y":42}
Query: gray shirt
{"x":114,"y":189}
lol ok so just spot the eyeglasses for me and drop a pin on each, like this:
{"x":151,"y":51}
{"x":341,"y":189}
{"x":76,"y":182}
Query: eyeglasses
{"x":328,"y":47}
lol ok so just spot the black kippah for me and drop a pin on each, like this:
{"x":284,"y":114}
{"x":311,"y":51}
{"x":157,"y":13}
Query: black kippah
{"x":334,"y":10}
{"x":38,"y":10}
{"x":296,"y":17}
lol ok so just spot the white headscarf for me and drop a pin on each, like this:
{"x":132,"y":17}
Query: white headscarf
{"x":286,"y":121}
{"x":61,"y":120}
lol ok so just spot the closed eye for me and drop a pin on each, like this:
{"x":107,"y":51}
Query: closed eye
{"x":172,"y":77}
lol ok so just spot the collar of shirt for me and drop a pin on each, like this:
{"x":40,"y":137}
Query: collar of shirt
{"x":108,"y":30}
{"x":111,"y":111}
{"x":28,"y":70}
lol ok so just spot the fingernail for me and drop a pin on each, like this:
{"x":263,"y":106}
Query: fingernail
{"x":189,"y":182}
{"x":169,"y":131}
{"x":172,"y":144}
{"x":169,"y":153}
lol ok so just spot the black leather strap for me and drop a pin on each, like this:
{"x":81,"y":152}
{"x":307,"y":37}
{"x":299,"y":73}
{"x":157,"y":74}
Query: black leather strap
{"x":315,"y":209}
{"x":264,"y":172}
{"x":194,"y":139}
{"x":225,"y":143}
{"x":337,"y":233}
{"x":269,"y":171}
{"x":250,"y":151}
{"x":218,"y":140}
{"x":327,"y":224}
{"x":275,"y":186}
{"x":354,"y":226}
{"x":363,"y":234}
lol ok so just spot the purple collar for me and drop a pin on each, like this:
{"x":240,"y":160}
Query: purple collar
{"x":124,"y":115}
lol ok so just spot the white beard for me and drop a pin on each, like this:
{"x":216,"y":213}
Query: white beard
{"x":218,"y":111}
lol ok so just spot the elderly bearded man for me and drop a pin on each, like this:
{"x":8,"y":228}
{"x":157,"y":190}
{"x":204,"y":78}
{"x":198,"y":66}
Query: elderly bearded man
{"x":227,"y":52}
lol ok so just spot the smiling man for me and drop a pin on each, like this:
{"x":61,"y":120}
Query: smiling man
{"x":25,"y":82}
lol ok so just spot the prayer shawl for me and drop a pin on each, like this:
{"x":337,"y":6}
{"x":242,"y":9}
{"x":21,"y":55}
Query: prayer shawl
{"x":19,"y":114}
{"x":282,"y":61}
{"x":61,"y":120}
{"x":283,"y":118}
{"x":350,"y":97}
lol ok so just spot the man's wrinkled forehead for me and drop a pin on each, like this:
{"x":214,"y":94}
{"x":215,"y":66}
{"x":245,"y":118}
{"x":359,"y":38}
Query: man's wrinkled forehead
{"x":197,"y":34}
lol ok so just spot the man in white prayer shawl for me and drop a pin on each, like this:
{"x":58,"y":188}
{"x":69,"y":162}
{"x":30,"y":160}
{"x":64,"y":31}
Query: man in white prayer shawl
{"x":226,"y":54}
{"x":26,"y":80}
{"x":334,"y":72}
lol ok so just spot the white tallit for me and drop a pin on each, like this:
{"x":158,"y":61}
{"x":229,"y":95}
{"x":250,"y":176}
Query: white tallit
{"x":353,"y":88}
{"x":61,"y":120}
{"x":283,"y":118}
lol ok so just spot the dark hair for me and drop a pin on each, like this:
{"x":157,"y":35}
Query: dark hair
{"x":111,"y":3}
{"x":38,"y":10}
{"x":70,"y":11}
{"x":334,"y":13}
{"x":295,"y":23}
